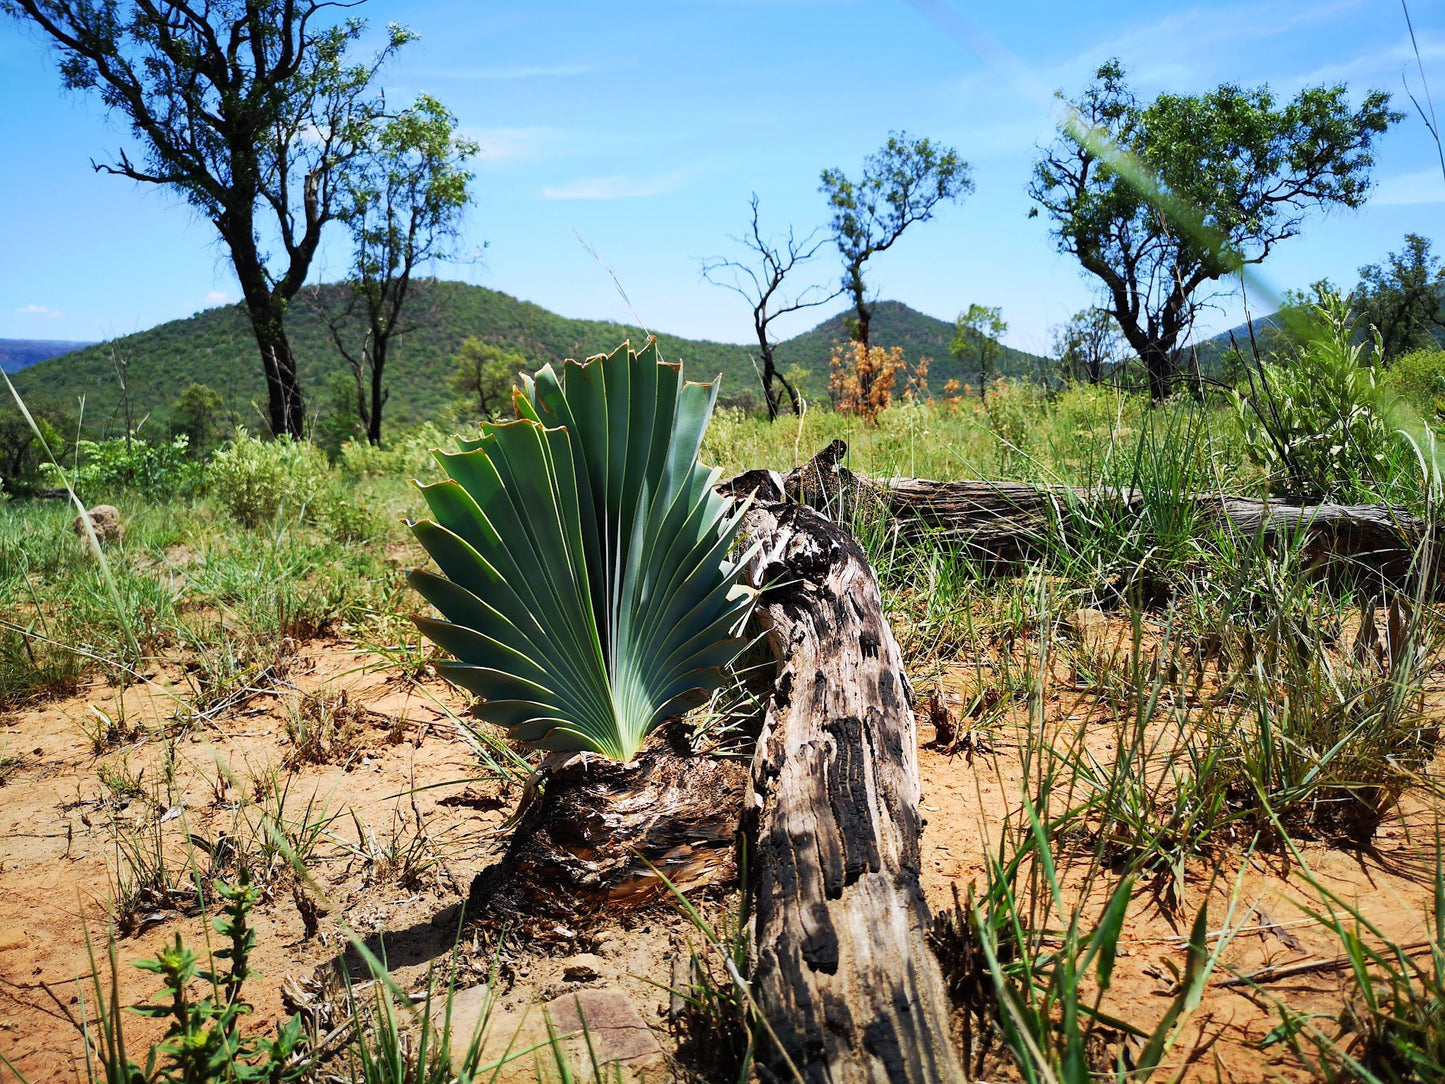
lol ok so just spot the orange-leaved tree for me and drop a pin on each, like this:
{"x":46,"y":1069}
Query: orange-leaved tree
{"x":863,"y":378}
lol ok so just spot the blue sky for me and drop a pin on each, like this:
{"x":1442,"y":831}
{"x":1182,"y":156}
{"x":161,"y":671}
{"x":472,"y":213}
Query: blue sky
{"x":643,"y":127}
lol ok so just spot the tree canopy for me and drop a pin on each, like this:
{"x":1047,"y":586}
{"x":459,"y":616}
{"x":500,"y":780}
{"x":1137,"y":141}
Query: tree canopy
{"x":403,"y":205}
{"x":1403,"y":298}
{"x":976,"y":334}
{"x":251,"y":111}
{"x":902,"y":183}
{"x":1159,"y":199}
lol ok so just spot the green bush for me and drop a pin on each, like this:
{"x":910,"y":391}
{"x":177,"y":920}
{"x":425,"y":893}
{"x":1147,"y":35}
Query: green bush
{"x":255,"y":479}
{"x":152,"y":469}
{"x":408,"y":455}
{"x":1314,"y":419}
{"x":1419,"y":378}
{"x":1013,"y":408}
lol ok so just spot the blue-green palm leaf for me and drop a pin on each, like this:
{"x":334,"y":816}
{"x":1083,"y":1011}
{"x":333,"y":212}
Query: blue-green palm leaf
{"x":584,"y":582}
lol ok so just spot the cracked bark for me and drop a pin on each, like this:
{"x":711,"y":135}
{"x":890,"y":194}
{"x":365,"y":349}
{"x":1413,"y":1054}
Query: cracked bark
{"x":842,"y":969}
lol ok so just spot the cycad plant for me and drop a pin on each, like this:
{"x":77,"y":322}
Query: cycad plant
{"x":585,"y":578}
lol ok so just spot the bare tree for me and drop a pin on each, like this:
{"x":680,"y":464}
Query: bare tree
{"x":252,"y":111}
{"x":759,"y":282}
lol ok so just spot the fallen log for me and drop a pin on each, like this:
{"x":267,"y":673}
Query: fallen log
{"x":1007,"y":522}
{"x":842,"y":969}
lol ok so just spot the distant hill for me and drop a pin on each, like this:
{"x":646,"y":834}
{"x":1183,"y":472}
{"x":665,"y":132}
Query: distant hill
{"x":17,"y":354}
{"x":920,"y":335}
{"x":215,"y":347}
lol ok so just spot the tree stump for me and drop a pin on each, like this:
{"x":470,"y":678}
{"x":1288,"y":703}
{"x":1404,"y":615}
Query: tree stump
{"x":588,"y":839}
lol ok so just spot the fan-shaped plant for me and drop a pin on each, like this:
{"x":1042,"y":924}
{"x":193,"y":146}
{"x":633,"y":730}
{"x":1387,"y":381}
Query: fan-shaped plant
{"x":585,"y":578}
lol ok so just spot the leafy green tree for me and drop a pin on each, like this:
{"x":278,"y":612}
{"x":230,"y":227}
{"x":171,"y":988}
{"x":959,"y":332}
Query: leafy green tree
{"x":1157,"y":200}
{"x":975,"y":337}
{"x":200,"y":415}
{"x":1403,"y":298}
{"x":21,"y":452}
{"x":403,"y":205}
{"x":252,"y":111}
{"x":902,"y":183}
{"x":1087,"y":346}
{"x":484,"y":374}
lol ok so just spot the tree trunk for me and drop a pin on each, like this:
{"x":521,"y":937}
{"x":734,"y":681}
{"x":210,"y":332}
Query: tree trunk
{"x":285,"y":404}
{"x":378,"y":392}
{"x":842,"y":969}
{"x":1005,"y":522}
{"x":1159,"y":364}
{"x":770,"y":374}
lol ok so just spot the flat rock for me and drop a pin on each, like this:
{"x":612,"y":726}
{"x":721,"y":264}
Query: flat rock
{"x":12,"y":939}
{"x":104,"y":520}
{"x":1094,"y":631}
{"x":619,"y":1036}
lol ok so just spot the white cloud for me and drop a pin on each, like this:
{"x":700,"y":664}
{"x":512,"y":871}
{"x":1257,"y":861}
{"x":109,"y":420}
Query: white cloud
{"x":218,"y":297}
{"x":37,"y":310}
{"x":615,"y":187}
{"x":1392,"y":62}
{"x":1408,"y":189}
{"x":514,"y":144}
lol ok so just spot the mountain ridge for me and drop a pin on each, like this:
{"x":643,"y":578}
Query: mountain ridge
{"x":214,"y":347}
{"x":18,"y":354}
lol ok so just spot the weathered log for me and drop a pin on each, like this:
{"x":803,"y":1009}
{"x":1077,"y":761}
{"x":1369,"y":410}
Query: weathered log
{"x":1005,"y":522}
{"x":842,"y":968}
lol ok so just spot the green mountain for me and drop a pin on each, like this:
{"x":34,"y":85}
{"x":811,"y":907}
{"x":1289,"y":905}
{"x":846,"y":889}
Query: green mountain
{"x":215,"y":348}
{"x":920,"y":335}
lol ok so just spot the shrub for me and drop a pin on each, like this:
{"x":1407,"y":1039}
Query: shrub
{"x":1419,"y":378}
{"x":407,"y":456}
{"x":255,"y":479}
{"x":862,"y":378}
{"x":1013,"y":408}
{"x":1315,"y":424}
{"x":152,"y":469}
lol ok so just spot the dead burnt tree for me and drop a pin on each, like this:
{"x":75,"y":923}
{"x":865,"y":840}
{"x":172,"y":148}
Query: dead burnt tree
{"x":1006,"y":522}
{"x":760,"y":285}
{"x":842,"y":968}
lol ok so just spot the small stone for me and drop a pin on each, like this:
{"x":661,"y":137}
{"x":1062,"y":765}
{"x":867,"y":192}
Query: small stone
{"x":12,"y":939}
{"x":104,"y":520}
{"x":583,"y":968}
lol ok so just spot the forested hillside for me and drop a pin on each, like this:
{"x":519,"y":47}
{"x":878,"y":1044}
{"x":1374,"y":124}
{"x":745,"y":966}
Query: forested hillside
{"x":215,"y":348}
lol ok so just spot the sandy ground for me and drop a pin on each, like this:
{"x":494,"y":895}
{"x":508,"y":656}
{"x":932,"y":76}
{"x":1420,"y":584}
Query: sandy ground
{"x":65,"y":834}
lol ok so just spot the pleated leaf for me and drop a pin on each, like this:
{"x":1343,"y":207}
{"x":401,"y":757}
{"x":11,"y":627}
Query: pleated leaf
{"x":585,"y":585}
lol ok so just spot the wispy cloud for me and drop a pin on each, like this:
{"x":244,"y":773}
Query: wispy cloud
{"x":218,"y":297}
{"x":37,"y":310}
{"x":521,"y":71}
{"x":1012,"y":99}
{"x":616,"y":187}
{"x":501,"y":145}
{"x":1409,"y":189}
{"x":1388,"y":62}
